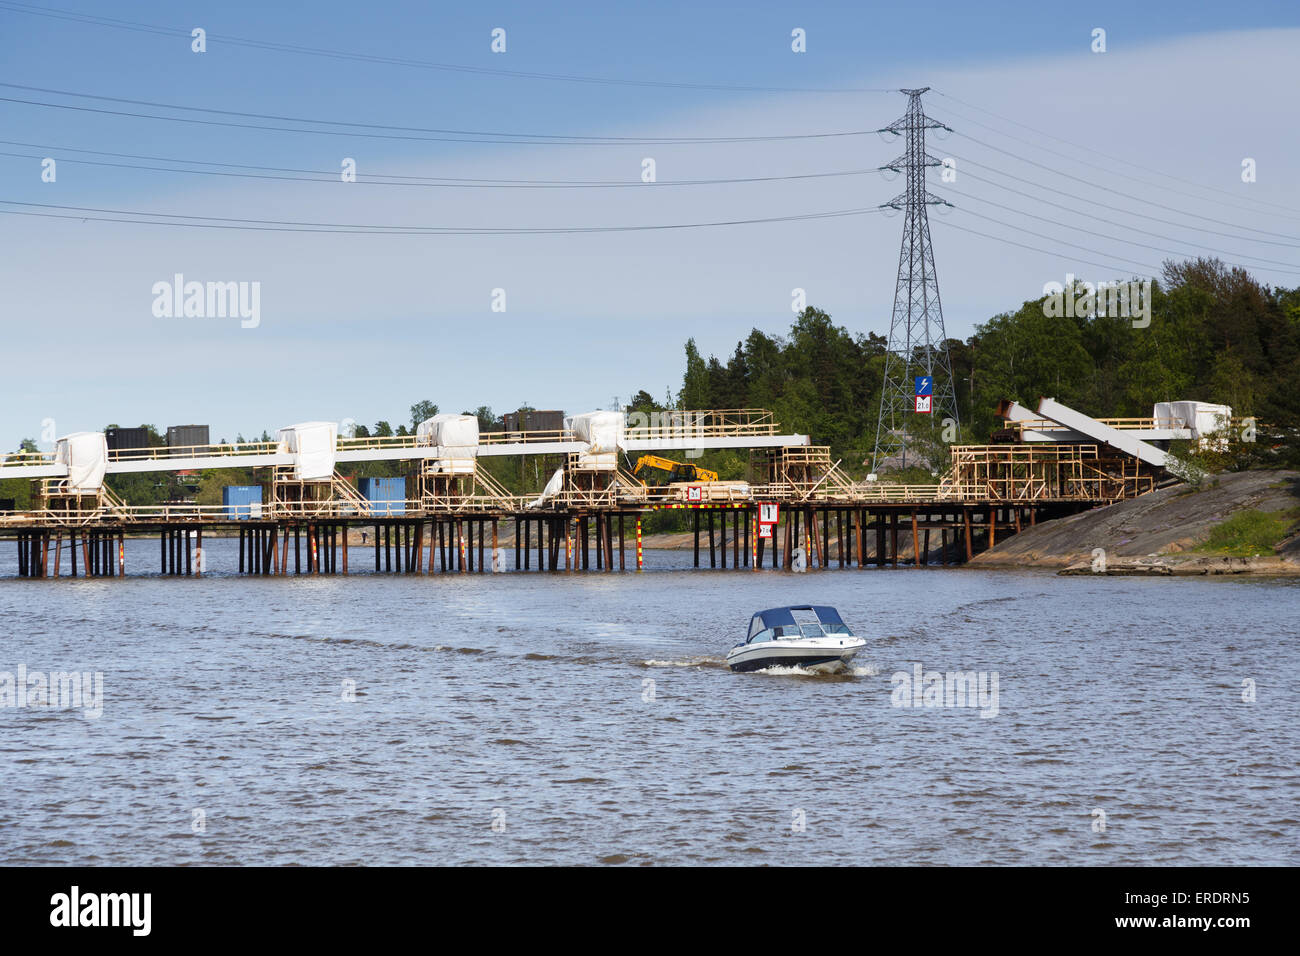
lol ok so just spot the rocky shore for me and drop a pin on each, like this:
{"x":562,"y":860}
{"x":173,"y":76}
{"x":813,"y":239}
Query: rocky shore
{"x":1163,"y":533}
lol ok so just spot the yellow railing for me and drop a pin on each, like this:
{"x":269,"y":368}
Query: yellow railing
{"x":27,"y":458}
{"x":223,"y":450}
{"x":670,"y":424}
{"x":1120,"y":424}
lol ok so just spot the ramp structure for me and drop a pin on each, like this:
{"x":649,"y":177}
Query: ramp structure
{"x":1099,"y":431}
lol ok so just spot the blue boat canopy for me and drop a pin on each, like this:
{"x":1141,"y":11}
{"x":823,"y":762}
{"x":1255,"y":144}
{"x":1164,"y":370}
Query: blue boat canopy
{"x":784,"y":617}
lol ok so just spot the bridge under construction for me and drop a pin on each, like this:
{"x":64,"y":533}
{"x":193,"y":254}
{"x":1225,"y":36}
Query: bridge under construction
{"x":798,"y":508}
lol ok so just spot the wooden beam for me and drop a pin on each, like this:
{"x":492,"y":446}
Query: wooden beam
{"x":713,"y":556}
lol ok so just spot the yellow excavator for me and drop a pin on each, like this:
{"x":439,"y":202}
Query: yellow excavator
{"x":677,"y":470}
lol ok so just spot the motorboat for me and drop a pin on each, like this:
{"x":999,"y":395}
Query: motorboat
{"x":812,"y":637}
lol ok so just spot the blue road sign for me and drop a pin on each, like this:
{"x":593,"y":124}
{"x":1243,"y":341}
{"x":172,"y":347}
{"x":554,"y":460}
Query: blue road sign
{"x":924,"y":385}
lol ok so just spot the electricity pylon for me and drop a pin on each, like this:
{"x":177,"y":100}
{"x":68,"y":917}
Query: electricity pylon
{"x":918,"y":345}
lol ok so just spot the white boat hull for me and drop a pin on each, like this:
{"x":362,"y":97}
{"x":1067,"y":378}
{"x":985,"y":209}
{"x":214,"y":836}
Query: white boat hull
{"x":819,"y":653}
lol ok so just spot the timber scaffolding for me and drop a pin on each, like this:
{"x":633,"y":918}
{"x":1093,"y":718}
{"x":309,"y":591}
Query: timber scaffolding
{"x":453,"y":522}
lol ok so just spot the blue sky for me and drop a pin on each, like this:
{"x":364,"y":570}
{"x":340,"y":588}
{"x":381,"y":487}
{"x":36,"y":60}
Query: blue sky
{"x":361,"y":326}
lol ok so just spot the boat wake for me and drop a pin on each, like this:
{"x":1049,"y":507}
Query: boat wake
{"x":839,"y":670}
{"x":693,"y":662}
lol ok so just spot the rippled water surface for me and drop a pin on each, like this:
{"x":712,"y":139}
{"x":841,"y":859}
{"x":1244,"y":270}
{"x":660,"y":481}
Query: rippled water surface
{"x":525,"y":699}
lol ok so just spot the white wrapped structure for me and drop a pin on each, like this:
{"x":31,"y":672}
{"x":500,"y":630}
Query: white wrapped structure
{"x":312,"y":445}
{"x":553,"y":488}
{"x":1203,"y":418}
{"x":1208,"y":422}
{"x":86,"y":455}
{"x":603,"y":433}
{"x":457,"y":439}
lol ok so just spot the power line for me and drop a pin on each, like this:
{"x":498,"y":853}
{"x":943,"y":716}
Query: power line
{"x":1117,"y":159}
{"x":97,"y":214}
{"x":1149,"y":202}
{"x":569,"y":139}
{"x":1101,"y":205}
{"x":1151,"y":270}
{"x":380,"y":179}
{"x":1063,"y":242}
{"x":430,"y":139}
{"x":1237,"y":205}
{"x":159,"y":30}
{"x":1145,"y":232}
{"x":1130,"y":242}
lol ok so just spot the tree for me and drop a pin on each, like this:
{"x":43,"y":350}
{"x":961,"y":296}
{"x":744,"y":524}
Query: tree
{"x":487,"y":419}
{"x":422,"y":411}
{"x":383,"y":430}
{"x":695,"y":383}
{"x":1215,"y":335}
{"x":642,"y":401}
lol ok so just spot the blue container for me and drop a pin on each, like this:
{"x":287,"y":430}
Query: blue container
{"x":387,"y":496}
{"x":242,"y":502}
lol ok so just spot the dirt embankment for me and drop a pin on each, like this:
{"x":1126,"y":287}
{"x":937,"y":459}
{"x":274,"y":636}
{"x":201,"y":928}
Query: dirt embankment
{"x":1161,"y":533}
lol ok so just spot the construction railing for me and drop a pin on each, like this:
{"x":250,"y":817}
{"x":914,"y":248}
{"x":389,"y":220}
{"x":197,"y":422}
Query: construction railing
{"x":223,"y":450}
{"x":27,"y":458}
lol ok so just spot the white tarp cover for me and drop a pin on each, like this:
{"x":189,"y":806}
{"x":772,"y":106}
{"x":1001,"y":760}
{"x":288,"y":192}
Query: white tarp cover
{"x":312,"y":445}
{"x":86,"y":455}
{"x":1203,"y":418}
{"x":551,"y":490}
{"x":457,"y":436}
{"x":605,"y":461}
{"x":602,"y":431}
{"x":455,"y":431}
{"x":1163,"y":413}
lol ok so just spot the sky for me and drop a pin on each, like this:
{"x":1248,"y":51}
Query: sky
{"x":1067,"y":161}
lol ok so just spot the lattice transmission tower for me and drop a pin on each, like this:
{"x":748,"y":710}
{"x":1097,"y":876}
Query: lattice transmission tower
{"x":917,"y":341}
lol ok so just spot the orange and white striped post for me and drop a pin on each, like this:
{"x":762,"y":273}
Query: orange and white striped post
{"x":753,"y":543}
{"x":640,"y":562}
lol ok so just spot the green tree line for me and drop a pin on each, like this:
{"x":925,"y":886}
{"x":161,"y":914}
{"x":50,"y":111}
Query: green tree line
{"x":1215,"y":334}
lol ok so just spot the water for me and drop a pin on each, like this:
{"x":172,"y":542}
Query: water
{"x":523,"y":698}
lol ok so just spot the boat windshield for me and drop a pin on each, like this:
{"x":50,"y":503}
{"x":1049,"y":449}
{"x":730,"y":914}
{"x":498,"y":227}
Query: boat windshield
{"x":810,"y":623}
{"x":796,"y":622}
{"x":801,"y":630}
